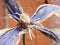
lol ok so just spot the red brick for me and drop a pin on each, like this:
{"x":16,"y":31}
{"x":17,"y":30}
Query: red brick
{"x":2,"y":14}
{"x":56,"y":2}
{"x":2,"y":23}
{"x":12,"y":23}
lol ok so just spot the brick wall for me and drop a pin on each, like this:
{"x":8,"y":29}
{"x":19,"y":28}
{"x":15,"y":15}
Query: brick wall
{"x":29,"y":7}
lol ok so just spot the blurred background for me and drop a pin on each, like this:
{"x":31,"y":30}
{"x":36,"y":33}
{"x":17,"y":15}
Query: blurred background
{"x":30,"y":7}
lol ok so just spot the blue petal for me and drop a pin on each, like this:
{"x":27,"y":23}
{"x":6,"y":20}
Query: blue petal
{"x":9,"y":37}
{"x":14,"y":8}
{"x":42,"y":13}
{"x":49,"y":32}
